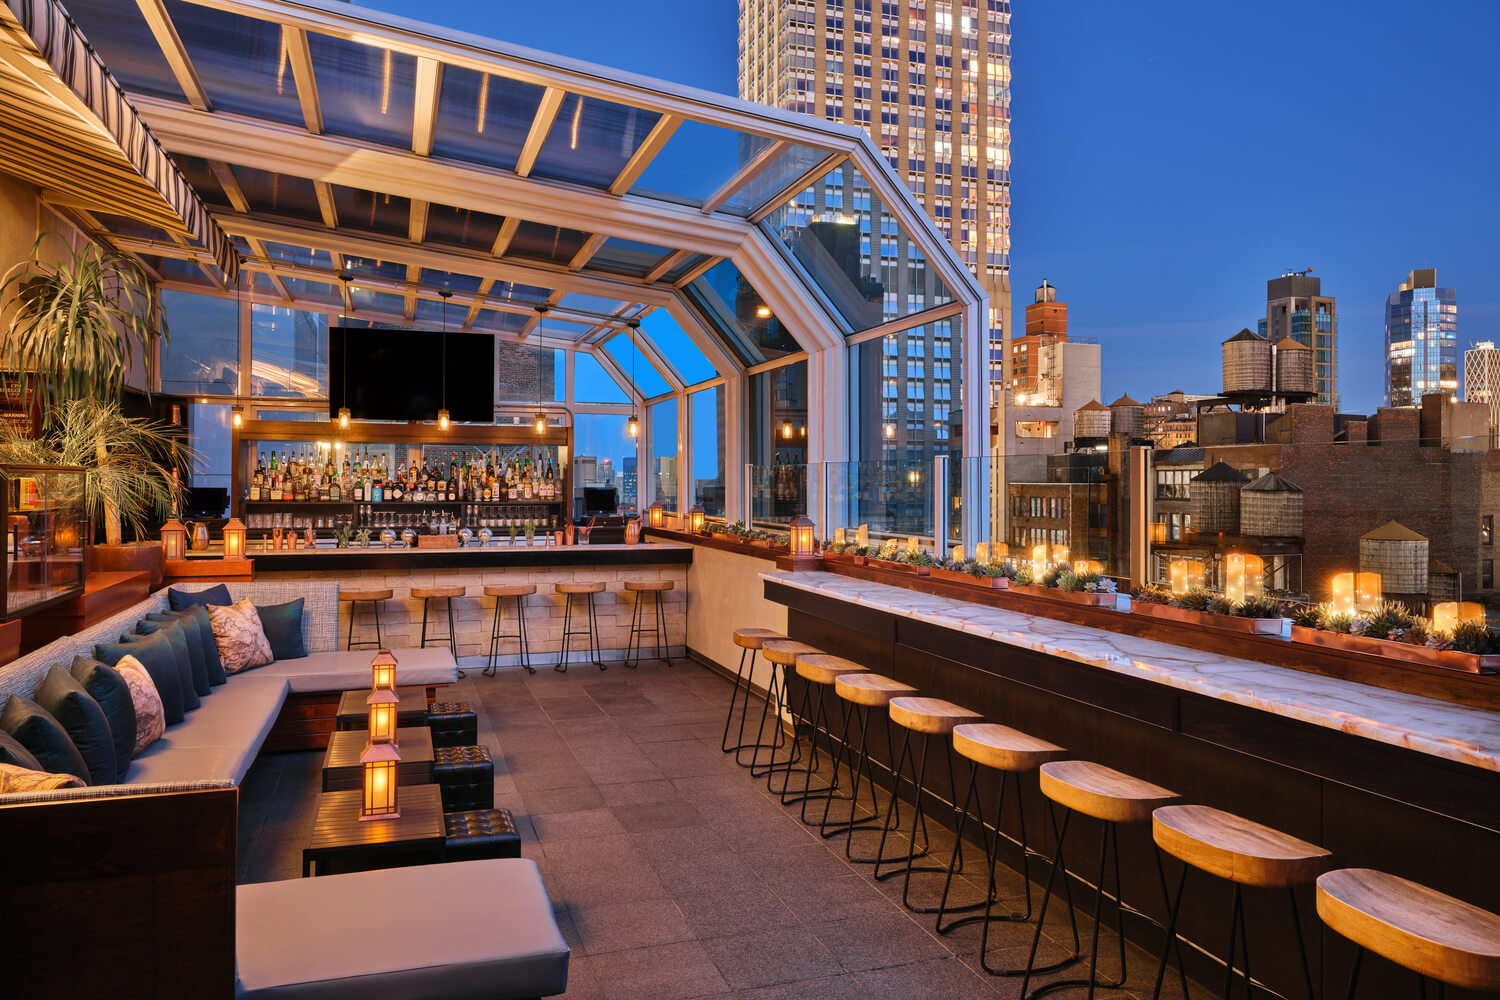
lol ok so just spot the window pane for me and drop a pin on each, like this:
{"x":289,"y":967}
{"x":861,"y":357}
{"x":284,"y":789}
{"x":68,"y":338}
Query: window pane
{"x":592,"y":140}
{"x":484,"y":118}
{"x":288,"y":352}
{"x":707,"y":412}
{"x":203,"y":355}
{"x":696,"y":162}
{"x":648,"y":380}
{"x":604,"y":455}
{"x":675,"y":345}
{"x":365,"y":92}
{"x":211,"y":438}
{"x":733,"y":307}
{"x":241,"y":61}
{"x":664,"y":452}
{"x":592,"y":384}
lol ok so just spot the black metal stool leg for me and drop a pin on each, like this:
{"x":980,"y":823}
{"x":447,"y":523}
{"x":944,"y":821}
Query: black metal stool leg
{"x":775,"y":694}
{"x":635,"y":630}
{"x":453,"y":637}
{"x":349,"y":640}
{"x":663,"y":646}
{"x":1302,"y":946}
{"x":1359,"y":956}
{"x":562,"y":656}
{"x":489,"y":664}
{"x":1174,"y":906}
{"x":921,"y":814}
{"x":594,"y":634}
{"x":955,"y":863}
{"x":845,"y":747}
{"x":787,"y":767}
{"x":379,"y":642}
{"x":734,"y":694}
{"x":521,"y":633}
{"x":426,"y":602}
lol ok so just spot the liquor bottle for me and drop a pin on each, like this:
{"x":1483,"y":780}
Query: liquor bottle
{"x":359,"y":488}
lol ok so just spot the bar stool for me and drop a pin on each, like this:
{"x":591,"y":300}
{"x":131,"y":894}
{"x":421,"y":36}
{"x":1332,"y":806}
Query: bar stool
{"x":520,"y":591}
{"x":1014,"y":754}
{"x":374,"y":599}
{"x":927,"y":717}
{"x":586,"y":591}
{"x":445,"y":594}
{"x":1430,"y":933}
{"x":863,"y":692}
{"x":819,"y":671}
{"x":749,"y":640}
{"x":780,"y":654}
{"x":1245,"y":853}
{"x":640,"y":588}
{"x":1080,"y":786}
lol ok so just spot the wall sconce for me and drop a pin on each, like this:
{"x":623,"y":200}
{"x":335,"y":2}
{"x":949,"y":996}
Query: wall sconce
{"x":174,"y":539}
{"x":383,"y":704}
{"x":654,"y":514}
{"x":237,"y":415}
{"x":383,"y":671}
{"x":379,"y":802}
{"x":696,"y":517}
{"x":1450,"y":613}
{"x":803,"y":536}
{"x":234,"y":539}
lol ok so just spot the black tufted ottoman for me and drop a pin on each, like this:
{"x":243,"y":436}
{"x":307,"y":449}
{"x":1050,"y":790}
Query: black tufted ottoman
{"x":477,"y":834}
{"x":453,"y":724}
{"x":465,"y":776}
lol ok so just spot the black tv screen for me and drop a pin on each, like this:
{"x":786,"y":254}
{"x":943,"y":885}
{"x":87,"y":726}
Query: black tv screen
{"x":398,"y":374}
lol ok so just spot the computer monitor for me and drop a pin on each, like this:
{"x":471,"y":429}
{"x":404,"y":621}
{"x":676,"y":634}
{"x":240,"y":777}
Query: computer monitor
{"x":205,"y":501}
{"x":600,"y":500}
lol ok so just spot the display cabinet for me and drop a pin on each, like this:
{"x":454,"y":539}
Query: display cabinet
{"x":43,"y":509}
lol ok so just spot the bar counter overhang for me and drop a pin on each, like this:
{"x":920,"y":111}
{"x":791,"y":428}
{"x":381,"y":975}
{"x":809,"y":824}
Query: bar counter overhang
{"x":1383,"y":779}
{"x":333,"y":560}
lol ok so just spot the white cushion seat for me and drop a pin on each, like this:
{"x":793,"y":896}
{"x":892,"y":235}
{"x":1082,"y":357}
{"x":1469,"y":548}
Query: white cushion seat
{"x":346,"y":670}
{"x":457,"y":930}
{"x":218,"y":740}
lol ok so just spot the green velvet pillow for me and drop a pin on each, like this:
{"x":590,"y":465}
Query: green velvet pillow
{"x":16,"y":755}
{"x":177,"y":639}
{"x":189,"y":626}
{"x":105,"y":685}
{"x":180,"y":599}
{"x":80,"y":715}
{"x":160,"y":661}
{"x":282,"y":624}
{"x":36,"y":730}
{"x":199,"y":614}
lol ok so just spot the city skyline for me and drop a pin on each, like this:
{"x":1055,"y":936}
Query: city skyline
{"x":1183,"y":179}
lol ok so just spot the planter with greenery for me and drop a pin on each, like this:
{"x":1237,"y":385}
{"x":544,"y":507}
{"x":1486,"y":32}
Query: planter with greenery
{"x":1257,"y":615}
{"x":1392,"y":630}
{"x":971,"y":573}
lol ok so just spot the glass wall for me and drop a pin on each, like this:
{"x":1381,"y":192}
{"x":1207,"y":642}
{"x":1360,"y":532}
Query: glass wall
{"x":202,"y":356}
{"x":208,"y":424}
{"x":664,"y":452}
{"x":778,"y":443}
{"x":592,"y":384}
{"x":706,"y":411}
{"x":604,"y":454}
{"x":288,"y":352}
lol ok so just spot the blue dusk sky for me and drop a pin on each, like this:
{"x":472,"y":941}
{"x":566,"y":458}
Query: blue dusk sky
{"x":1169,"y":157}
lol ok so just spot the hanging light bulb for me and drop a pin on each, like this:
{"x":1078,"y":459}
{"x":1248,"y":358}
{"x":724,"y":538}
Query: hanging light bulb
{"x":237,"y":415}
{"x":442,"y":420}
{"x":343,"y":416}
{"x":540,"y":423}
{"x":633,"y":425}
{"x":445,"y":295}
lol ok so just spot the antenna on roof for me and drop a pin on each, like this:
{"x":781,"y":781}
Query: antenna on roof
{"x":1291,"y":272}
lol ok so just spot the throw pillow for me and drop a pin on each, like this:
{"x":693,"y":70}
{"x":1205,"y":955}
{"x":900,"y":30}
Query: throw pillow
{"x":174,"y":637}
{"x":105,"y":685}
{"x":12,"y":752}
{"x":199,"y":614}
{"x":283,"y":627}
{"x":188,"y":625}
{"x":150,"y":718}
{"x":160,"y":662}
{"x":24,"y":779}
{"x":239,"y":636}
{"x":179,"y":599}
{"x":44,"y":736}
{"x":80,"y":715}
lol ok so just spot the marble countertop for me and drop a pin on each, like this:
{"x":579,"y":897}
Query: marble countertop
{"x":1454,"y":732}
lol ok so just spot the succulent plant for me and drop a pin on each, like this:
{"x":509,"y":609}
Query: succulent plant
{"x":1473,"y":637}
{"x":1387,"y":621}
{"x":1023,"y":576}
{"x":1069,"y":582}
{"x":1152,"y":594}
{"x":1196,"y":599}
{"x":1258,"y":607}
{"x":1307,"y":615}
{"x":1220,"y":606}
{"x":1051,"y":575}
{"x":1337,"y":621}
{"x":1418,"y":633}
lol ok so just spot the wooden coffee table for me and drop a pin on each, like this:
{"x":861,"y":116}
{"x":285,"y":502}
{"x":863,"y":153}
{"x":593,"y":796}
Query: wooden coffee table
{"x":342,"y":770}
{"x":354,"y":713}
{"x":341,"y":839}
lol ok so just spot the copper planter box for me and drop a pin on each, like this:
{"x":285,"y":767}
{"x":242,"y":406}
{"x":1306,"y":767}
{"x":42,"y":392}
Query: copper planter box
{"x":1231,"y":623}
{"x":1473,"y":663}
{"x":969,"y":580}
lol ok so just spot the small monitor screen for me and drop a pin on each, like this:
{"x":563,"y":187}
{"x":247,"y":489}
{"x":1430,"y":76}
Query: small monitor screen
{"x":600,"y":500}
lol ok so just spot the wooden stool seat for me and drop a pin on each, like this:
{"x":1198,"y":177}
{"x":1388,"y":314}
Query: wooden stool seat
{"x":436,"y":593}
{"x":1418,"y":928}
{"x":510,"y":590}
{"x":1003,"y":748}
{"x":647,"y":586}
{"x":752,"y":638}
{"x":365,"y":595}
{"x":932,"y":716}
{"x":784,"y":652}
{"x":593,"y":587}
{"x":824,"y":668}
{"x":1102,"y":792}
{"x":1237,"y":849}
{"x":870,"y":690}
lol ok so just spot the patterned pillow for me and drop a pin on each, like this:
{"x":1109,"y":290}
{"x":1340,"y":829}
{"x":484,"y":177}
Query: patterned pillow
{"x":20,"y":779}
{"x":241,"y":641}
{"x":150,"y":717}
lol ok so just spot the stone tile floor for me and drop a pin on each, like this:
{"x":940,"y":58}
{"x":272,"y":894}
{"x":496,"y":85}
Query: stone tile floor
{"x":674,"y":875}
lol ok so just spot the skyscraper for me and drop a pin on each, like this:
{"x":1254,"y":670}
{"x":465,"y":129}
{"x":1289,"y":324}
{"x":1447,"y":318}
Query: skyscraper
{"x":1046,"y":324}
{"x":1296,"y":307}
{"x":930,"y":81}
{"x":1421,"y":340}
{"x":1482,"y":380}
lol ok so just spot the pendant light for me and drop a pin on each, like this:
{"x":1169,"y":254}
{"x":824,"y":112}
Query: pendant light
{"x":540,"y":423}
{"x":445,"y":295}
{"x":344,"y":410}
{"x":633,"y":425}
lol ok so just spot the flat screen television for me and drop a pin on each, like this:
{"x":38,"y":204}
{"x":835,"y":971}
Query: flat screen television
{"x":398,"y":374}
{"x":600,"y":500}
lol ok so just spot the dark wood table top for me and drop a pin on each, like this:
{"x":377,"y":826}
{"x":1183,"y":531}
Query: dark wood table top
{"x":353,"y":708}
{"x":345,"y":747}
{"x":338,"y":830}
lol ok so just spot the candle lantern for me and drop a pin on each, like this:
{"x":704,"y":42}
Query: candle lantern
{"x":1185,"y":574}
{"x":862,"y":536}
{"x":379,"y":802}
{"x":1038,"y":562}
{"x":383,"y":671}
{"x":654,"y":515}
{"x":999,"y":552}
{"x":174,"y":539}
{"x":1060,"y":554}
{"x":383,"y":704}
{"x":234,"y":539}
{"x":1242,"y":576}
{"x":912,"y":545}
{"x":696,"y":517}
{"x":1354,"y":592}
{"x":803,"y":536}
{"x":1450,"y":613}
{"x":838,"y":536}
{"x":982,"y":553}
{"x":957,"y":554}
{"x":1087,"y":566}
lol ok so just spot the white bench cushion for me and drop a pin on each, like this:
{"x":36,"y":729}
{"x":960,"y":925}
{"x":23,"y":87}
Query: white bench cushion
{"x":350,"y":669}
{"x":465,"y":929}
{"x":218,"y":740}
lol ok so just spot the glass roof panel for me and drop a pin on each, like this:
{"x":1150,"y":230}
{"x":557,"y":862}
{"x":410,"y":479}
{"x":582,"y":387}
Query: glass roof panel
{"x":380,"y":213}
{"x":130,"y":227}
{"x":241,"y":61}
{"x":785,"y":169}
{"x":627,"y":257}
{"x":202,"y":179}
{"x":368,"y":267}
{"x":735,"y":308}
{"x":560,"y":329}
{"x":495,"y":321}
{"x":281,"y":194}
{"x":462,"y":227}
{"x":855,"y":251}
{"x":365,"y":92}
{"x":299,"y":255}
{"x":592,"y":384}
{"x":595,"y":304}
{"x":689,"y":262}
{"x":124,"y":41}
{"x":260,"y":284}
{"x":673,"y":343}
{"x":484,"y":118}
{"x":648,"y":381}
{"x":552,"y":244}
{"x":696,"y":162}
{"x":304,"y":290}
{"x":591,"y":141}
{"x":382,"y":302}
{"x":449,"y":279}
{"x":430,"y":312}
{"x":176,"y":269}
{"x":511,"y":292}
